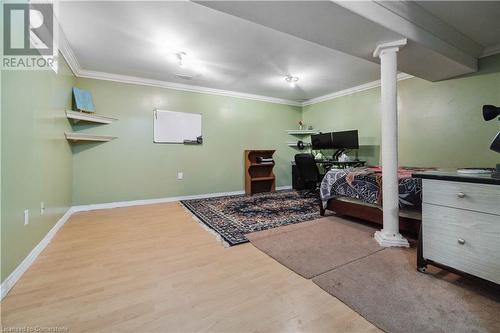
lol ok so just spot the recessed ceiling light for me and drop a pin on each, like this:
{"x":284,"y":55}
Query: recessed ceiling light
{"x":292,"y":80}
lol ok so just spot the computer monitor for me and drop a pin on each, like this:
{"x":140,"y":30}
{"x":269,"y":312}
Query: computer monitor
{"x":321,"y":141}
{"x":345,"y":140}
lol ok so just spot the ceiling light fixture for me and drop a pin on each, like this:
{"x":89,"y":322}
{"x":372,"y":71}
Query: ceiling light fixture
{"x":181,"y":57}
{"x":188,"y":63}
{"x":292,"y":80}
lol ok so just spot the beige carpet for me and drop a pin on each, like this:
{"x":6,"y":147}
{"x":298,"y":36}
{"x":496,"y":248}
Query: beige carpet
{"x":386,"y":289}
{"x":314,"y":247}
{"x":382,"y":284}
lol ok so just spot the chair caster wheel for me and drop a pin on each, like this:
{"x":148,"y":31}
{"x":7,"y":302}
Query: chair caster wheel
{"x":421,"y":269}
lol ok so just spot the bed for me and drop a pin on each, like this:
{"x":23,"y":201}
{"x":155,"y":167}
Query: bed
{"x":357,"y":192}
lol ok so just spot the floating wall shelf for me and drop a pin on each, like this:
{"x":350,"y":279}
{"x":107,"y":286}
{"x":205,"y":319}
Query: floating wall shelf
{"x":261,"y":179}
{"x":82,"y":137}
{"x":77,"y":116}
{"x":302,"y":132}
{"x":294,"y":144}
{"x":263,"y":165}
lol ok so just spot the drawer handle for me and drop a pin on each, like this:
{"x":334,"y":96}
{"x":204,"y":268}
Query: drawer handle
{"x":461,"y":241}
{"x":461,"y":194}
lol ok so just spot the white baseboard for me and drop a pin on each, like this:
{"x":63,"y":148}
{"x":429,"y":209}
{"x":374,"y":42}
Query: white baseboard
{"x":11,"y":280}
{"x":118,"y":204}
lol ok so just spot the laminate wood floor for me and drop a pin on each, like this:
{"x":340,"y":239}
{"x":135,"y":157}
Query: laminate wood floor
{"x":154,"y":269}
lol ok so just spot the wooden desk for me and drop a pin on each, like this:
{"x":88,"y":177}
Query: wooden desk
{"x":328,"y":164}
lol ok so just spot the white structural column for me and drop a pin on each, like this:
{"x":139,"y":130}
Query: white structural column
{"x":389,"y":235}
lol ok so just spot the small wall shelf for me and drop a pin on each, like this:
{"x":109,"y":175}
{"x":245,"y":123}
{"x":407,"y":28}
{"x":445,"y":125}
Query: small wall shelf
{"x":260,"y":179}
{"x":77,"y":116}
{"x":262,"y":165}
{"x":82,"y":137}
{"x":294,"y":144}
{"x":302,"y":132}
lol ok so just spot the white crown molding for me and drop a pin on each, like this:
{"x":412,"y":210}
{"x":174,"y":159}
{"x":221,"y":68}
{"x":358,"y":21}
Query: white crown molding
{"x":65,"y":47}
{"x":490,"y":50}
{"x":12,"y":279}
{"x":68,"y":53}
{"x":349,"y":91}
{"x":78,"y":71}
{"x":183,"y":87}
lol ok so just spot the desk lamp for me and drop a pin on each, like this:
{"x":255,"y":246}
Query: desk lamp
{"x":490,"y":112}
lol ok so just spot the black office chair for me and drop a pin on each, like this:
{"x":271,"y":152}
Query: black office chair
{"x":309,"y":175}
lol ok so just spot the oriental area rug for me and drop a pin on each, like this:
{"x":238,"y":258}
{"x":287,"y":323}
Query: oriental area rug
{"x":232,"y":217}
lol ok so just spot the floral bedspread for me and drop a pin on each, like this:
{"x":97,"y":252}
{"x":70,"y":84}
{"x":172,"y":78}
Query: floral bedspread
{"x":365,"y":184}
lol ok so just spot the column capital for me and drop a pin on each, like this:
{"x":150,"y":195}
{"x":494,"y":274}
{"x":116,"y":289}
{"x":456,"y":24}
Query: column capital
{"x":393,"y":46}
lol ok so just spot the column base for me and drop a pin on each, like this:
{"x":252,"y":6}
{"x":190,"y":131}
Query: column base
{"x":389,"y":239}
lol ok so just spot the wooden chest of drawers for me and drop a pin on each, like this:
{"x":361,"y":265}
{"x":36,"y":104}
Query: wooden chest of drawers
{"x":461,"y":226}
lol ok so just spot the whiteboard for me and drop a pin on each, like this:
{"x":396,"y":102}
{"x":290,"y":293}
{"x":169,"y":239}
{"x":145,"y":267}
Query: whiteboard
{"x":175,"y":127}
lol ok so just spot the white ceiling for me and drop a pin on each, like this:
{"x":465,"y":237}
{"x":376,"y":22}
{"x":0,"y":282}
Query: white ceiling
{"x":479,"y":20}
{"x":249,"y":47}
{"x":435,"y":50}
{"x":140,"y":39}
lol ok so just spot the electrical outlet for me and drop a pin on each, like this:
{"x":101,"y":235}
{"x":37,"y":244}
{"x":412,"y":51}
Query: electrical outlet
{"x":180,"y":175}
{"x":42,"y":208}
{"x":26,"y":217}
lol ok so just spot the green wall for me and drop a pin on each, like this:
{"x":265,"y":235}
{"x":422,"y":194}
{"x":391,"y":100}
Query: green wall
{"x":440,"y":123}
{"x":133,"y":167}
{"x":36,"y":161}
